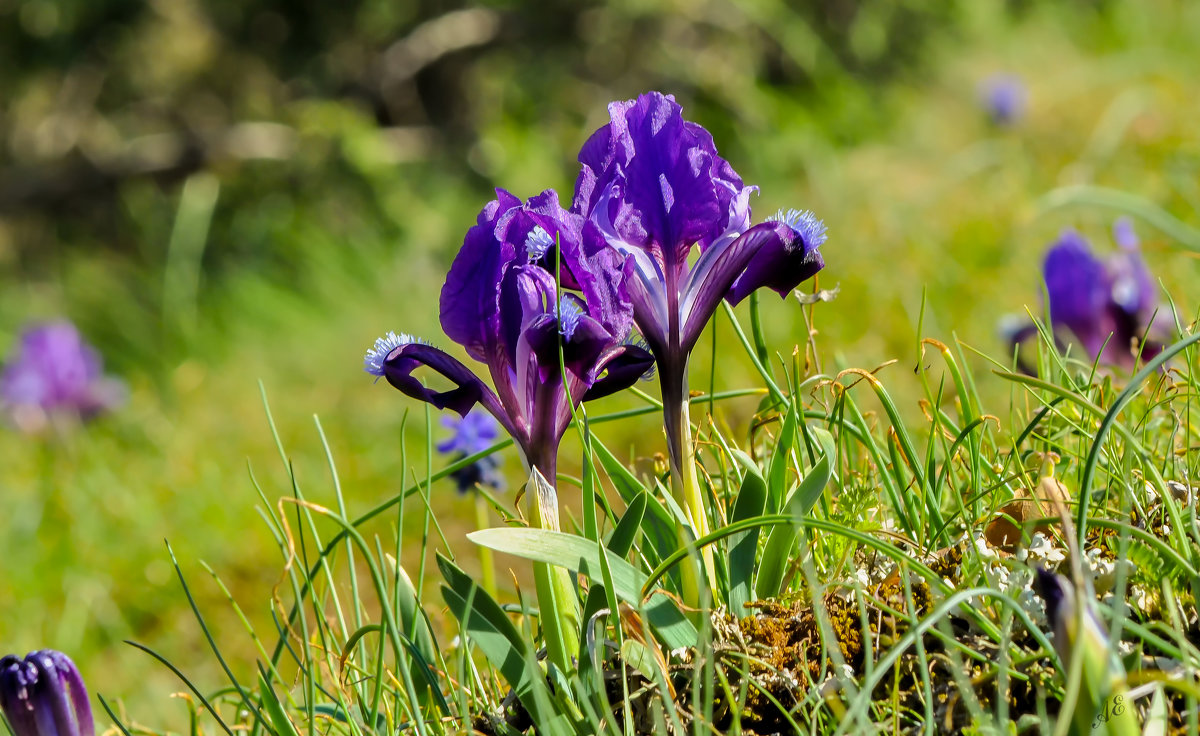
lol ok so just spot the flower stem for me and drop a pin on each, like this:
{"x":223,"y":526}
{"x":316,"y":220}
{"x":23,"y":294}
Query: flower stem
{"x":685,"y":482}
{"x":486,"y":564}
{"x":557,"y":600}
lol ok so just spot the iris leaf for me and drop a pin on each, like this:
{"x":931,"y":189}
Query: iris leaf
{"x":573,"y":552}
{"x":777,"y":554}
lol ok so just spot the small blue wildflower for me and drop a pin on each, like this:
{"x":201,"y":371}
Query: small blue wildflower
{"x":373,"y":361}
{"x":483,"y":472}
{"x":537,"y":244}
{"x":475,"y":432}
{"x":1003,"y":97}
{"x":44,"y":695}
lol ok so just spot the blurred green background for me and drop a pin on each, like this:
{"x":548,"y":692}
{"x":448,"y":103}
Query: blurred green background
{"x":228,"y":192}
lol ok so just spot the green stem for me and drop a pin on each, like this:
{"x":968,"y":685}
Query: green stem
{"x":486,"y":564}
{"x":557,"y":602}
{"x":685,"y":482}
{"x":760,"y":343}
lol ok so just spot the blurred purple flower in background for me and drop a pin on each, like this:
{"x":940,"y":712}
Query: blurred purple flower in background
{"x":53,"y":370}
{"x":1003,"y":97}
{"x":1108,"y":307}
{"x":475,"y":432}
{"x":471,"y":434}
{"x":44,"y":695}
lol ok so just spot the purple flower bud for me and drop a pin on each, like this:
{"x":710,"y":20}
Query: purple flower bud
{"x":44,"y":695}
{"x":1081,"y":633}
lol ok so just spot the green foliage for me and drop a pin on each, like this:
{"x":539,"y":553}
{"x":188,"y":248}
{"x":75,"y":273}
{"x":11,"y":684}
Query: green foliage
{"x":215,"y":200}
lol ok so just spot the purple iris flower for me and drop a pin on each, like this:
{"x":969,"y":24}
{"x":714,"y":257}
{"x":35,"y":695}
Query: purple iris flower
{"x":474,"y":433}
{"x":1003,"y":97}
{"x":1107,"y":306}
{"x":55,"y":370}
{"x":655,"y":188}
{"x":44,"y":695}
{"x":502,"y":303}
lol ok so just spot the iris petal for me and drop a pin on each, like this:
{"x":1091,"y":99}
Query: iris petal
{"x":469,"y":299}
{"x":468,"y":389}
{"x":624,"y":368}
{"x":783,"y":262}
{"x":654,"y":181}
{"x":1077,"y":287}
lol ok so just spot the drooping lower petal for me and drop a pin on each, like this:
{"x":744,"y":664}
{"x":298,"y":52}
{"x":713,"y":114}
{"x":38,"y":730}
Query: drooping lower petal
{"x":582,"y":339}
{"x":626,"y":366}
{"x":783,"y":263}
{"x":470,"y":434}
{"x":777,"y":254}
{"x":468,"y":389}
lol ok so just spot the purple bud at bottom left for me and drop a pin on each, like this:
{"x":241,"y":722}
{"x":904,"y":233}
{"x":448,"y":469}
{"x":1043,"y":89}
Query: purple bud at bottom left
{"x":44,"y":695}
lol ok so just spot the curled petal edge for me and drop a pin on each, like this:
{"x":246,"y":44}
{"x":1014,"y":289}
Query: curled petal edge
{"x":624,"y":366}
{"x":469,"y":390}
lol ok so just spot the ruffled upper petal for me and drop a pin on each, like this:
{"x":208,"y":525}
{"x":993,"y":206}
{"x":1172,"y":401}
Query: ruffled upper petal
{"x":469,"y":299}
{"x":539,"y":226}
{"x":604,"y":280}
{"x":654,"y":181}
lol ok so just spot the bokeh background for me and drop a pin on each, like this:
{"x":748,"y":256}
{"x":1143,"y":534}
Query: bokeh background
{"x":232,"y":198}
